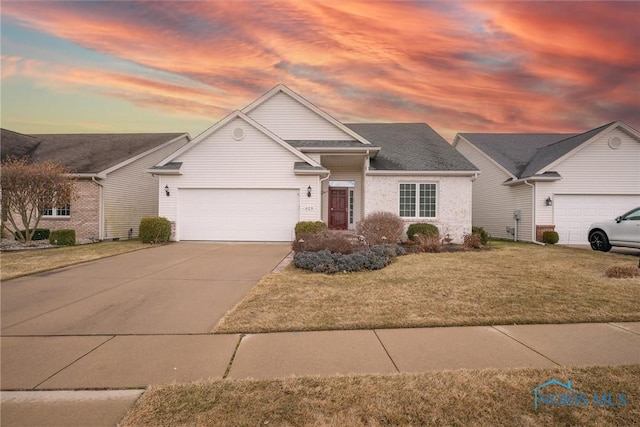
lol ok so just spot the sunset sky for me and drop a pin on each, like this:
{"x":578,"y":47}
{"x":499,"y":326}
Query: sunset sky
{"x":158,"y":66}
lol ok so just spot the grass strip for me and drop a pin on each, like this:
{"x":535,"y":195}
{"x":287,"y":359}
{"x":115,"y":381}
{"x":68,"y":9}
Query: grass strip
{"x":458,"y":398}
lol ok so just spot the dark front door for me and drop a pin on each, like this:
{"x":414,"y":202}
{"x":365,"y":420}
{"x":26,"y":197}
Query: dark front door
{"x":338,"y":208}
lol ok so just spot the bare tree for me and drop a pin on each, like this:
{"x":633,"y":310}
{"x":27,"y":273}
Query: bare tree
{"x":30,"y":188}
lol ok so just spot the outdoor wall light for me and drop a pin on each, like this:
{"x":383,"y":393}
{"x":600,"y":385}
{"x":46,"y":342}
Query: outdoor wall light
{"x":548,"y":201}
{"x":166,"y":190}
{"x":309,"y":191}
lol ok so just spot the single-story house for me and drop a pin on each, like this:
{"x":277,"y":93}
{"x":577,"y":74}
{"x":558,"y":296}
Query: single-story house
{"x":113,"y":190}
{"x":530,"y":183}
{"x":253,"y":175}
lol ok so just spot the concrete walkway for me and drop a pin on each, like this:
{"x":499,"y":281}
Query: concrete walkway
{"x":260,"y":356}
{"x":83,"y":355}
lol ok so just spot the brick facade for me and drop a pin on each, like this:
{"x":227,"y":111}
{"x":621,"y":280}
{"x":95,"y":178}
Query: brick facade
{"x":84,"y":217}
{"x":541,"y":229}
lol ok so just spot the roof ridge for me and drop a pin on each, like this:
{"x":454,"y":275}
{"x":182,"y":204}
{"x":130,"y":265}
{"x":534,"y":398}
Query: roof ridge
{"x":578,"y":134}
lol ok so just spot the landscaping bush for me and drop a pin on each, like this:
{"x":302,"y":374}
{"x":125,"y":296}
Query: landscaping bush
{"x":622,"y":272}
{"x":313,"y":227}
{"x":325,"y":240}
{"x":484,"y":236}
{"x":154,"y":230}
{"x":428,"y":242}
{"x":64,"y":237}
{"x":422,"y":228}
{"x":325,"y":261}
{"x":550,"y":237}
{"x":472,"y":241}
{"x":381,"y":227}
{"x":40,"y":234}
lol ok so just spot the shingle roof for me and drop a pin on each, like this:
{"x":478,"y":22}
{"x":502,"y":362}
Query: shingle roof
{"x":547,"y":155}
{"x":304,"y":166}
{"x":411,"y":147}
{"x":14,"y":144}
{"x":524,"y":154}
{"x":93,"y":153}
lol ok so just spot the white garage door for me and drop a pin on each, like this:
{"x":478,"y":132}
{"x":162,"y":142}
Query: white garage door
{"x":250,"y":215}
{"x":573,"y":214}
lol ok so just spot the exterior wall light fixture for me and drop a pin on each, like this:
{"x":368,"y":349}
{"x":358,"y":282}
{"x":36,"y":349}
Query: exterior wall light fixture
{"x":309,"y":191}
{"x":166,"y":190}
{"x":548,"y":201}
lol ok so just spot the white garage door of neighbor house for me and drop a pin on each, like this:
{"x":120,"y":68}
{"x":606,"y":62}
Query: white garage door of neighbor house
{"x":249,"y":215}
{"x":574,"y":213}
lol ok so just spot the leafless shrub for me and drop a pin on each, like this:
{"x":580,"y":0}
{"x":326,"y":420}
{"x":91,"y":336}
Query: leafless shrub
{"x":381,"y":227}
{"x":622,"y":271}
{"x":428,"y":243}
{"x":472,"y":241}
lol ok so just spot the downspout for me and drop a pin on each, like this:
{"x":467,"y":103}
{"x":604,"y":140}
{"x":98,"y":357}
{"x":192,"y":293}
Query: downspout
{"x":533,"y":213}
{"x":101,"y":209}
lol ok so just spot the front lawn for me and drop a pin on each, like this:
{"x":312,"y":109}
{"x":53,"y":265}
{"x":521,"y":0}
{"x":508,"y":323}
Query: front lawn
{"x":514,"y":283}
{"x":22,"y":263}
{"x":456,"y":398}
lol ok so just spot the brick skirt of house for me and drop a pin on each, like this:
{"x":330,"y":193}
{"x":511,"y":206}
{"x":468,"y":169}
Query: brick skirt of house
{"x":541,"y":229}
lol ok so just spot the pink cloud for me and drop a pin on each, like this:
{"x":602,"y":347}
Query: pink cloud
{"x":516,"y":66}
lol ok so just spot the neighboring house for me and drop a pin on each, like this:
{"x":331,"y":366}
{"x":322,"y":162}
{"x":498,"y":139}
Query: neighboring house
{"x":257,"y":172}
{"x":561,"y":182}
{"x":113,"y":190}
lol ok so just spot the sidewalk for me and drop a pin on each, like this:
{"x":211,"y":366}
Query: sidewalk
{"x":309,"y":353}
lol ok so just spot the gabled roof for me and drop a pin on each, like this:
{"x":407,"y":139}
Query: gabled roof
{"x":284,"y":89}
{"x":163,"y":165}
{"x":88,"y":153}
{"x":411,"y":147}
{"x":513,"y":151}
{"x":546,"y":155}
{"x":527,"y":155}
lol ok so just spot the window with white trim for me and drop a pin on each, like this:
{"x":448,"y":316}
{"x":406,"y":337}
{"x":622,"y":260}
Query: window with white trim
{"x":417,"y":200}
{"x":63,"y":212}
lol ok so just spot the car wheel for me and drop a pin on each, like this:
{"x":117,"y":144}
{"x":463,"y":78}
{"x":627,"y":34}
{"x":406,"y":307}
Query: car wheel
{"x":599,"y":241}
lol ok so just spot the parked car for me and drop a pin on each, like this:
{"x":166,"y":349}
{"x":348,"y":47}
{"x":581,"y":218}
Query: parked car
{"x":623,"y":231}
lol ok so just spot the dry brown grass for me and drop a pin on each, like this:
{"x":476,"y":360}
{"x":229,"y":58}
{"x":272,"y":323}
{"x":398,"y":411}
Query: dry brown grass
{"x":460,"y":398}
{"x":513,"y":283}
{"x":16,"y":264}
{"x":623,"y":271}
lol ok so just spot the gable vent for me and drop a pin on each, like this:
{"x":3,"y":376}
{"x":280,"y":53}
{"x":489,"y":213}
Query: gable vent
{"x":615,"y":142}
{"x":238,"y":134}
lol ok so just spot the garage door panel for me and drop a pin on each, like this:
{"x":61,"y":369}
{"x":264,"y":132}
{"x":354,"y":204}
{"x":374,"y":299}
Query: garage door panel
{"x":238,"y":214}
{"x":573,"y":214}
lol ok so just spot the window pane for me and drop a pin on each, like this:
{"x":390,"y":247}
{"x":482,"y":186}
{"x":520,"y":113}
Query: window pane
{"x":408,"y":200}
{"x":428,"y":200}
{"x":65,"y":211}
{"x":47,"y":211}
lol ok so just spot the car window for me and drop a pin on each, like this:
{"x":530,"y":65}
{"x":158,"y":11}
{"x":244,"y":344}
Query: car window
{"x":633,"y":215}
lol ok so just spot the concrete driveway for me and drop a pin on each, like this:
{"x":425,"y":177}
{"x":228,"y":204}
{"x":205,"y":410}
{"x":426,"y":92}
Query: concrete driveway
{"x":129,"y":321}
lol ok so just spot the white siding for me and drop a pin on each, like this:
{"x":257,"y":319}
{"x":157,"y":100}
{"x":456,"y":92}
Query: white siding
{"x":595,"y":169}
{"x":291,"y":120}
{"x":251,"y":163}
{"x":130,"y":193}
{"x":494,"y":203}
{"x":453,"y":201}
